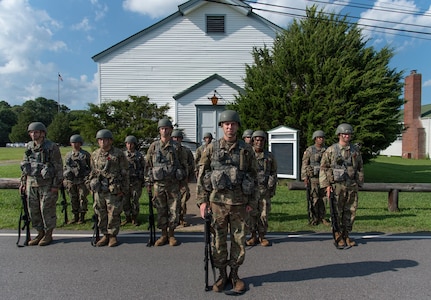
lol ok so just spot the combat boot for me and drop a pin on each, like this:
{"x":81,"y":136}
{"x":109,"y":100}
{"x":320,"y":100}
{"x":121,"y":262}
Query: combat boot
{"x":37,"y":239}
{"x":127,"y":220}
{"x":113,"y":241}
{"x":81,"y":219}
{"x":135,"y":220}
{"x":220,"y":284}
{"x":47,"y":239}
{"x":350,"y":242}
{"x":163,"y":239}
{"x":103,"y":241}
{"x":75,"y":219}
{"x":172,"y":240}
{"x":338,"y":241}
{"x":237,"y":284}
{"x":252,"y":241}
{"x":263,"y":241}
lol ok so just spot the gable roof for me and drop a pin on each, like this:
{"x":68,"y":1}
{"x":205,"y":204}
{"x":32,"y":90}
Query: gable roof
{"x":205,"y":81}
{"x":184,"y":9}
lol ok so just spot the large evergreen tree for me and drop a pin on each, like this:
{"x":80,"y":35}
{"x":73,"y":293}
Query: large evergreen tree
{"x":318,"y":74}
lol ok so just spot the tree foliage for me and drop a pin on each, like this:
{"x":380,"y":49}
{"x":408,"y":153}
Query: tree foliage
{"x":134,"y":116}
{"x":318,"y":74}
{"x":8,"y":118}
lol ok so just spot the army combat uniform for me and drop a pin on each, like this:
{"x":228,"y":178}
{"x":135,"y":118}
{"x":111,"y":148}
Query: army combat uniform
{"x":109,"y":182}
{"x":76,"y":170}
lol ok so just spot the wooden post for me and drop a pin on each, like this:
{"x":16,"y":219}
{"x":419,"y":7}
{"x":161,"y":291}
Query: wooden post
{"x":393,"y":200}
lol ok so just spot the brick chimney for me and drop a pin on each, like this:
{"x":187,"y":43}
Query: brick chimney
{"x":414,"y":136}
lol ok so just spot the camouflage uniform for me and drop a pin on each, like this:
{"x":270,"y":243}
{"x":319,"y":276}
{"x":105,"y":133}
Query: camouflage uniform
{"x":187,"y":156}
{"x":42,"y":171}
{"x":164,"y":170}
{"x":109,"y":181}
{"x":136,"y":176}
{"x":76,"y":170}
{"x":342,"y":168}
{"x":310,"y":170}
{"x":227,"y":183}
{"x":267,"y":184}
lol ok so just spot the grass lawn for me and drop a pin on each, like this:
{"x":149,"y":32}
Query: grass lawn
{"x":289,"y":208}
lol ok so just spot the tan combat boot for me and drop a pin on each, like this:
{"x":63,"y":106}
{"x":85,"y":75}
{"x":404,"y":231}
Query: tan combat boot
{"x":47,"y":239}
{"x":339,"y":241}
{"x":237,"y":284}
{"x":163,"y":239}
{"x":127,"y":220}
{"x":112,"y":241}
{"x":36,"y":240}
{"x":252,"y":241}
{"x":172,"y":240}
{"x":74,"y":220}
{"x":103,"y":241}
{"x":135,"y":220}
{"x":263,"y":241}
{"x":220,"y":284}
{"x":81,"y":219}
{"x":350,"y":242}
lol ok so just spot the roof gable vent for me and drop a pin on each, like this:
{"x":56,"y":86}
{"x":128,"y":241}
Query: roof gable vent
{"x":215,"y":24}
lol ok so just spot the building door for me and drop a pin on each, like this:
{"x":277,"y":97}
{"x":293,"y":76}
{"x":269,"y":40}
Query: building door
{"x":207,"y":121}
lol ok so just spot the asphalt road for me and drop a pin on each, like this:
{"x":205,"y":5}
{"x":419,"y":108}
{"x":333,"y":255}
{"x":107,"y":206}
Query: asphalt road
{"x":294,"y":267}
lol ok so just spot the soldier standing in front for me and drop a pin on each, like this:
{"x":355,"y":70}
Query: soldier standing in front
{"x":76,"y":170}
{"x":228,"y":182}
{"x":42,"y":176}
{"x":164,"y":172}
{"x":109,"y":182}
{"x":341,"y":172}
{"x":267,"y":184}
{"x":136,"y":178}
{"x":310,"y":175}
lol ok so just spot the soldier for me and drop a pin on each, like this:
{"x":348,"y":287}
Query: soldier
{"x":228,"y":182}
{"x":247,"y":136}
{"x":187,"y":155}
{"x":136,"y":177}
{"x":341,"y":172}
{"x":165,"y":170}
{"x":267,"y":183}
{"x":109,"y":182}
{"x":310,"y":175}
{"x":208,"y":137}
{"x":76,"y":171}
{"x":42,"y":176}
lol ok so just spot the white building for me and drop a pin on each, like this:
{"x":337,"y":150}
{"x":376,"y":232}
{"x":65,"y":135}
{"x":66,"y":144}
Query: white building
{"x":186,"y":59}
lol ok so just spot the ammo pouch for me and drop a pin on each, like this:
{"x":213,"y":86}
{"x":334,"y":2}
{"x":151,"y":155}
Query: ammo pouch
{"x":262,"y":178}
{"x":35,"y":168}
{"x":316,"y":170}
{"x":47,"y":172}
{"x":180,"y":174}
{"x":220,"y":180}
{"x":104,"y":184}
{"x":95,"y":185}
{"x":247,"y":185}
{"x":351,"y":172}
{"x":67,"y":174}
{"x":26,"y":168}
{"x":158,"y":173}
{"x":339,"y":174}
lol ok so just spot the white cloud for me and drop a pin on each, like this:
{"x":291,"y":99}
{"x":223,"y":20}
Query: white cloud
{"x":153,"y":8}
{"x":427,"y":83}
{"x":84,"y":25}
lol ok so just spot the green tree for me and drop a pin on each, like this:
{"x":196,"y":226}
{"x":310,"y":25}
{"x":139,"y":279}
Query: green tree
{"x":59,"y":130}
{"x":37,"y":110}
{"x":8,"y":118}
{"x":318,"y":74}
{"x":134,"y":116}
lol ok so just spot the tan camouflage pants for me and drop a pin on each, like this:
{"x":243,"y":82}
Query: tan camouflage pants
{"x":108,"y":208}
{"x":347,"y":202}
{"x":78,"y":193}
{"x":42,"y":207}
{"x":224,"y":218}
{"x":131,"y":200}
{"x":167,"y":203}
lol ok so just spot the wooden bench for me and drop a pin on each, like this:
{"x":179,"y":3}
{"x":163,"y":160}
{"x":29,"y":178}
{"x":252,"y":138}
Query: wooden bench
{"x":393,"y":190}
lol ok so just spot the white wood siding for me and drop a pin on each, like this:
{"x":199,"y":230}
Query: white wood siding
{"x":171,"y":58}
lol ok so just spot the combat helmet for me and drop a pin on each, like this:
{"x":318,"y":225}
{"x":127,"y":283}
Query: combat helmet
{"x":164,"y":123}
{"x":259,"y":133}
{"x":208,"y":135}
{"x":76,"y":138}
{"x":131,"y":139}
{"x":229,"y":116}
{"x":247,"y":133}
{"x":344,"y":128}
{"x":36,"y":126}
{"x":177,"y":133}
{"x":318,"y":133}
{"x":104,"y":134}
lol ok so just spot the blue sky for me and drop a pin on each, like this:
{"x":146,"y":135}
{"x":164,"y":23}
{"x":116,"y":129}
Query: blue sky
{"x":41,"y":38}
